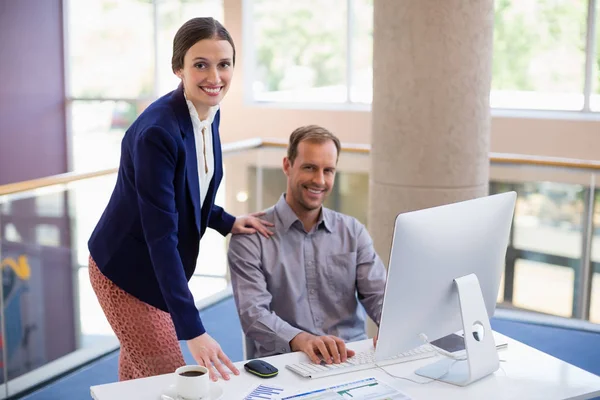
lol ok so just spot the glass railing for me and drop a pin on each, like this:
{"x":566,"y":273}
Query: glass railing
{"x":49,"y":307}
{"x":52,"y":320}
{"x":553,"y":261}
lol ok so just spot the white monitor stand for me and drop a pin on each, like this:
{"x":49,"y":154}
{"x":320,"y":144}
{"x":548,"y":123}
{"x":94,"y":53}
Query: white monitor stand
{"x":481,"y":354}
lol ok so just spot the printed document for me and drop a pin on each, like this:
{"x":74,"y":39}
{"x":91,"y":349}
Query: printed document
{"x":364,"y":389}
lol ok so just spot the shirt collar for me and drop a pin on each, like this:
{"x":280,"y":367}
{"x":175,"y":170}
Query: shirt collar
{"x":194,"y":114}
{"x":288,"y":216}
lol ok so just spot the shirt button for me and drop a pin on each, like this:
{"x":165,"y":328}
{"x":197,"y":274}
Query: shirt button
{"x":312,"y":291}
{"x":310,"y":263}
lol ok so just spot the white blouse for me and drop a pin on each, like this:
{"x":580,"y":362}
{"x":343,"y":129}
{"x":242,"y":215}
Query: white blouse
{"x":204,"y":146}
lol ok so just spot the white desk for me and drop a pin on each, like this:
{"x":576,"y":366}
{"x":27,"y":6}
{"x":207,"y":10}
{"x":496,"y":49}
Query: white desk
{"x":526,"y":374}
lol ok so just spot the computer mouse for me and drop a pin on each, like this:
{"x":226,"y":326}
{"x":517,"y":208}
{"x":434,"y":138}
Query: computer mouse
{"x":261,"y":368}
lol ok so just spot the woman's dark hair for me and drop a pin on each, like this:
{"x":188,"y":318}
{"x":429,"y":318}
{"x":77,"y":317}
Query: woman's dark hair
{"x":193,"y":31}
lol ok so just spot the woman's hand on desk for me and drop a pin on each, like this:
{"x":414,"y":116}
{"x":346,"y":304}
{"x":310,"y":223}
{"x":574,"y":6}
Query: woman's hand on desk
{"x":207,"y":352}
{"x":327,"y":348}
{"x":251,"y":223}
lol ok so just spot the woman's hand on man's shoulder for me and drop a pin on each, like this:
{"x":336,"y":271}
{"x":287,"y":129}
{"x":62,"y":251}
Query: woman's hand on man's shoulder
{"x":252,"y":223}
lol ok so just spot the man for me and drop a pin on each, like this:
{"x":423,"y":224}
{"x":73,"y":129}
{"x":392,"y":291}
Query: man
{"x":299,"y":289}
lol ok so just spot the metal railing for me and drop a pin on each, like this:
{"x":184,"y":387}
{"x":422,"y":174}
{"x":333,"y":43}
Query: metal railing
{"x":250,"y":144}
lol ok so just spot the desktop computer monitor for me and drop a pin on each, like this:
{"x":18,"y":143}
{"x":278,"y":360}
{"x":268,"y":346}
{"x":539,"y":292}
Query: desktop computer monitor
{"x":430,"y":249}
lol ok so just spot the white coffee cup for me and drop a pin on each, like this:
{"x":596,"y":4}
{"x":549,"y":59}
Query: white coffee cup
{"x":192,"y":382}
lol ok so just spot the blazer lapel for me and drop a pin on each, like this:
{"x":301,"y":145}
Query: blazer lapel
{"x":218,"y":173}
{"x":217,"y":154}
{"x":191,"y":166}
{"x":191,"y":160}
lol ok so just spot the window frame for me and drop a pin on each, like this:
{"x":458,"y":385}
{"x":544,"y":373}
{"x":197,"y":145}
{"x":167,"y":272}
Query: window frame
{"x":250,"y":67}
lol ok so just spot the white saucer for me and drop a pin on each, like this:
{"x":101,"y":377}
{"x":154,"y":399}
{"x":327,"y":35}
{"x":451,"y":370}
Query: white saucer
{"x":216,"y":392}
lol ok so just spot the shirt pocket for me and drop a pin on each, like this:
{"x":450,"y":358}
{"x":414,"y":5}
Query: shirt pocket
{"x":340,"y":271}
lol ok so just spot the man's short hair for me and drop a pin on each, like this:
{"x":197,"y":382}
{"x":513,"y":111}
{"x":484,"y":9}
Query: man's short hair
{"x":312,"y":133}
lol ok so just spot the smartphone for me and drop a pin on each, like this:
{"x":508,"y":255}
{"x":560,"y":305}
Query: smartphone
{"x":452,"y":346}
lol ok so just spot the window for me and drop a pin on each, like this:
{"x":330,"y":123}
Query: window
{"x":595,"y":97}
{"x":300,"y":50}
{"x":310,"y":51}
{"x":539,"y":54}
{"x":110,"y":54}
{"x":320,"y":51}
{"x":361,"y":57}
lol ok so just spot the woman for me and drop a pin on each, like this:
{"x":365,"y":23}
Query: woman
{"x":144,"y":249}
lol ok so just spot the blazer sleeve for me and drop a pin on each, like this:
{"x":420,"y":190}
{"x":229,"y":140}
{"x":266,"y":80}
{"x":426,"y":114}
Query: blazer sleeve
{"x":220,"y":220}
{"x":155,"y":158}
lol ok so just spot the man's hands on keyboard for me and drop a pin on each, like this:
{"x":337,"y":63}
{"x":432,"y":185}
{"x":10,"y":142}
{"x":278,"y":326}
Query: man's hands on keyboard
{"x":330,"y":349}
{"x":361,"y":361}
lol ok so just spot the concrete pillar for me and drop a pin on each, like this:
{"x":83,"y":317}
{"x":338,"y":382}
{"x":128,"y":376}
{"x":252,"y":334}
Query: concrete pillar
{"x":432,"y":63}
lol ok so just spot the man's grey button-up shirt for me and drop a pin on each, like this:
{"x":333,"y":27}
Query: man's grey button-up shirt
{"x":299,"y":281}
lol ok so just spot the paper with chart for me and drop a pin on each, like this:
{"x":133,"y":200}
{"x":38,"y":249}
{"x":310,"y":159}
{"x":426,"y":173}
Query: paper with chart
{"x":364,"y":389}
{"x":265,"y":392}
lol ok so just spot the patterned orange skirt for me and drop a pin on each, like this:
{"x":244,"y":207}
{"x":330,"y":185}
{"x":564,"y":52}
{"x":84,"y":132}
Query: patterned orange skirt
{"x":148,"y":340}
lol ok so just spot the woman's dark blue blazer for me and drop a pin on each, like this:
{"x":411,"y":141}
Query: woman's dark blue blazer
{"x":147,"y":239}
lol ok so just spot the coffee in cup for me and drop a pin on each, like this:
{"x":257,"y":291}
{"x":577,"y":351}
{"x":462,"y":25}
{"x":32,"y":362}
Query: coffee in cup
{"x":192,"y":373}
{"x":192,"y":382}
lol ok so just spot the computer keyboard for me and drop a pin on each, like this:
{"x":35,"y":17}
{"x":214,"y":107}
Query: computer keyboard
{"x":360,"y":361}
